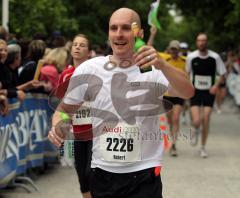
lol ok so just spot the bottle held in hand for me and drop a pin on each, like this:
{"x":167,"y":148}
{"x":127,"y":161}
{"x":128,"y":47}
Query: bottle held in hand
{"x":138,"y":44}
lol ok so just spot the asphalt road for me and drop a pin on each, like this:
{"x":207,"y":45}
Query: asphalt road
{"x":185,"y":176}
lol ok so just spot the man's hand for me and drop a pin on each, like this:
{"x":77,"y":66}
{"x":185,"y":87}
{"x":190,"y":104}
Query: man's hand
{"x":47,"y":86}
{"x":61,"y":122}
{"x":58,"y":133}
{"x":213,"y":89}
{"x":55,"y":138}
{"x":3,"y":105}
{"x":3,"y":92}
{"x":179,"y":81}
{"x":21,"y":95}
{"x":147,"y":56}
{"x":34,"y":84}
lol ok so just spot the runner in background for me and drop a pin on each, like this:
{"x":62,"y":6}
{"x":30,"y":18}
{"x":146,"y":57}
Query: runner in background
{"x":222,"y":88}
{"x":174,"y":115}
{"x":202,"y":66}
{"x":184,"y":51}
{"x":173,"y":58}
{"x":80,"y":52}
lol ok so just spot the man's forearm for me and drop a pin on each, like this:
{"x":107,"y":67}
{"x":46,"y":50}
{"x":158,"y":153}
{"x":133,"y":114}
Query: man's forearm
{"x":151,"y":39}
{"x":64,"y":113}
{"x":219,"y":81}
{"x":179,"y":81}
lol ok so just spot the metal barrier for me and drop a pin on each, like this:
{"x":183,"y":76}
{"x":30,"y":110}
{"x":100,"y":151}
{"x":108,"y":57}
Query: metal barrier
{"x":23,"y":140}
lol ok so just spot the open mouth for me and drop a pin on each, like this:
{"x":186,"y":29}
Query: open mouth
{"x":120,"y":43}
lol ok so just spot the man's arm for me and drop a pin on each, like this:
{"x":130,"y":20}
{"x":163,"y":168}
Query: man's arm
{"x":180,"y":85}
{"x":61,"y":123}
{"x":221,"y":70}
{"x":179,"y":81}
{"x":33,"y":84}
{"x":214,"y":88}
{"x":153,"y":32}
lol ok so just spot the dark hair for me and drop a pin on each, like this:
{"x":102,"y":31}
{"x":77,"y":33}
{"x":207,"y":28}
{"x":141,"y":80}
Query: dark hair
{"x":36,"y":50}
{"x":86,"y":37}
{"x":3,"y":33}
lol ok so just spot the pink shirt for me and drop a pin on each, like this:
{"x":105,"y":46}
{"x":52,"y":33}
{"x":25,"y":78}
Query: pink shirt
{"x":50,"y":73}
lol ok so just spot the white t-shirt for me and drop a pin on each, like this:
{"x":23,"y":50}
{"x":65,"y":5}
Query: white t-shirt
{"x":124,"y":143}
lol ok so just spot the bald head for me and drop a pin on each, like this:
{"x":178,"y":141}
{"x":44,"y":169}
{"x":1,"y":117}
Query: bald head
{"x":120,"y":33}
{"x":202,"y":36}
{"x":134,"y":17}
{"x":201,"y":42}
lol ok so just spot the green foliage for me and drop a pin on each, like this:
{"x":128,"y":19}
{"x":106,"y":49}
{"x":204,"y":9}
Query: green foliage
{"x":219,"y":19}
{"x":81,"y":16}
{"x":28,"y":17}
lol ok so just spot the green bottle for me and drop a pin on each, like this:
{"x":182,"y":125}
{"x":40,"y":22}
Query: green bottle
{"x":138,"y":44}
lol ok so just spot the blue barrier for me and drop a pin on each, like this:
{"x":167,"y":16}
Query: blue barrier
{"x":23,"y":137}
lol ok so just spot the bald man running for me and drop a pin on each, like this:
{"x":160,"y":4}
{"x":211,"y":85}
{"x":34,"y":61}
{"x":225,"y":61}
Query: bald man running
{"x":125,"y":161}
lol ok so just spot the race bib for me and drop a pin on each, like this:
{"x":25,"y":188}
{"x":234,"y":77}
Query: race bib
{"x":121,"y":143}
{"x":203,"y":82}
{"x":83,"y":115}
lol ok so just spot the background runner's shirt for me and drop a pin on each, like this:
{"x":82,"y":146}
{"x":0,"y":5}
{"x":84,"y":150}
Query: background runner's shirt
{"x":203,"y":69}
{"x":64,"y":81}
{"x":179,"y":63}
{"x":123,"y":147}
{"x":81,"y":120}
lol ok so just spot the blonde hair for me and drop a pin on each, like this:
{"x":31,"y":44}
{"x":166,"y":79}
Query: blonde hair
{"x":3,"y":42}
{"x":57,"y":57}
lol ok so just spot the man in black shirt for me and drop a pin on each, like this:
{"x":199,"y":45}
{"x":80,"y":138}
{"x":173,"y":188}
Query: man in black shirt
{"x":202,"y":65}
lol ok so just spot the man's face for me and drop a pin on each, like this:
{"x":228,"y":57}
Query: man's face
{"x":174,"y":52}
{"x":120,"y":35}
{"x":3,"y":52}
{"x":201,"y":42}
{"x":17,"y":61}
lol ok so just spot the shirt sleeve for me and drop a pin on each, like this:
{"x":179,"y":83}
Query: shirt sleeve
{"x":188,"y":67}
{"x":221,"y":69}
{"x":76,"y":91}
{"x":62,"y":85}
{"x":161,"y":79}
{"x":12,"y":93}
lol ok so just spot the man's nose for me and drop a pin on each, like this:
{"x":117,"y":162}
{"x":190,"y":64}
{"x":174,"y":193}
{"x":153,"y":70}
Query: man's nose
{"x":119,"y":32}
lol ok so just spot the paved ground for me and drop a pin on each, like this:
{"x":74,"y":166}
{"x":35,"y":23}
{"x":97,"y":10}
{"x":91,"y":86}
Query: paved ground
{"x":186,"y":176}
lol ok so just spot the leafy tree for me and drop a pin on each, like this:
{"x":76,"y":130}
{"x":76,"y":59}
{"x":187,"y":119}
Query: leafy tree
{"x":28,"y":17}
{"x":219,"y":19}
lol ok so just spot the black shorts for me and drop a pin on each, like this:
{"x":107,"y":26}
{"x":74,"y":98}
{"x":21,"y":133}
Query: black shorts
{"x":174,"y":100}
{"x":202,"y":98}
{"x":83,"y":157}
{"x":140,"y":184}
